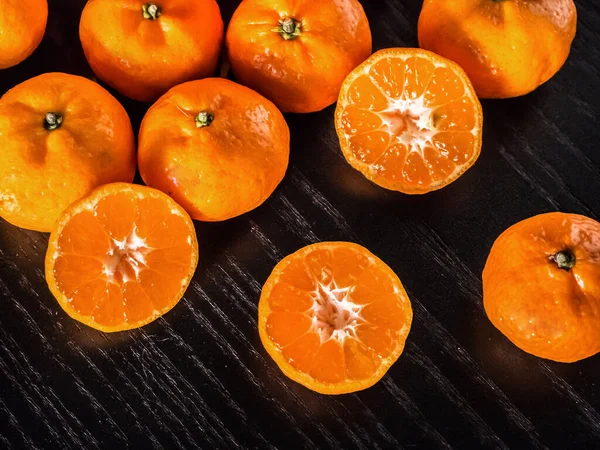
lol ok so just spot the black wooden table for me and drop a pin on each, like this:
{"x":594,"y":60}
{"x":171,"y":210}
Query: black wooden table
{"x":199,"y":377}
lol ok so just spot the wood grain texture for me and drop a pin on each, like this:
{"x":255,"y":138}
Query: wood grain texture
{"x":198,"y":378}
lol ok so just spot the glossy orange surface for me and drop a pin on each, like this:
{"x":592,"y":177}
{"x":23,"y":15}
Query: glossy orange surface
{"x":45,"y":167}
{"x":300,"y":70}
{"x":121,"y":257}
{"x":508,"y":47}
{"x":334,"y":317}
{"x":409,"y":120}
{"x":22,"y":27}
{"x":217,"y":147}
{"x":541,"y":286}
{"x":144,"y":52}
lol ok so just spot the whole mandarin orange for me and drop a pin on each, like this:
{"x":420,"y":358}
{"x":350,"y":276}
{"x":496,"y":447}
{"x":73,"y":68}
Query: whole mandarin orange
{"x":541,"y":286}
{"x":297,"y":53}
{"x":218,"y":148}
{"x":507,"y":47}
{"x":142,"y":49}
{"x":22,"y":27}
{"x":61,"y":136}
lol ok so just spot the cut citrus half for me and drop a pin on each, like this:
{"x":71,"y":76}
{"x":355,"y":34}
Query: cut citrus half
{"x":334,"y":317}
{"x":409,"y":120}
{"x":121,"y":257}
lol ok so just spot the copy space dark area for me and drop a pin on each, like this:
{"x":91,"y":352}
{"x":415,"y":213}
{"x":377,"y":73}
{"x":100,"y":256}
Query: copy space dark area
{"x":200,"y":378}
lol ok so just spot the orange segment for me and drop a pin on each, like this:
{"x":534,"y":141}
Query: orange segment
{"x":438,"y":163}
{"x":418,"y":73}
{"x":286,"y":297}
{"x":457,"y":115}
{"x":137,"y":302}
{"x":78,"y":271}
{"x":116,"y":214}
{"x":445,"y":86}
{"x":80,"y":298}
{"x":381,"y":343}
{"x":286,"y":327}
{"x":389,"y":75}
{"x":454,"y":145}
{"x":110,"y":309}
{"x":365,"y":93}
{"x":121,"y":257}
{"x":300,"y":353}
{"x":361,"y":362}
{"x":298,"y":275}
{"x":385,"y":312}
{"x":94,"y":242}
{"x":329,"y":365}
{"x":348,"y":265}
{"x":369,"y":147}
{"x":334,"y":317}
{"x":372,"y":283}
{"x":396,"y":117}
{"x":358,"y":120}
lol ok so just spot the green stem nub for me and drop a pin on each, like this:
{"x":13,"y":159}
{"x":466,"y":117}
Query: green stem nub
{"x":289,"y":28}
{"x":151,"y":11}
{"x":204,"y":119}
{"x":52,"y":121}
{"x":564,"y":259}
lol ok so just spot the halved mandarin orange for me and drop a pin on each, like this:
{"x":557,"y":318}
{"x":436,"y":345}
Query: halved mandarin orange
{"x":409,"y":120}
{"x":121,"y":257}
{"x":334,"y":317}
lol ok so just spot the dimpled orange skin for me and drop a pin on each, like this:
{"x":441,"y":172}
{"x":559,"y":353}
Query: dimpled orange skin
{"x":43,"y":171}
{"x":22,"y":27}
{"x":142,"y":57}
{"x":507,"y":47}
{"x":221,"y":169}
{"x":304,"y":73}
{"x":545,"y":310}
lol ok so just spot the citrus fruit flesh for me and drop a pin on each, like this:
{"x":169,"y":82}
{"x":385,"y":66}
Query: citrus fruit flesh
{"x":334,"y":317}
{"x":409,"y":120}
{"x":121,"y":257}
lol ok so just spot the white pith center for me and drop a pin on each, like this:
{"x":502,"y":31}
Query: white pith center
{"x":334,"y":315}
{"x":126,"y":258}
{"x":410,"y":122}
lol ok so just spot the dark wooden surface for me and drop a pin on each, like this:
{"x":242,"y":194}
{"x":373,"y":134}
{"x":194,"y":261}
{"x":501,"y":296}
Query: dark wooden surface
{"x":199,"y":377}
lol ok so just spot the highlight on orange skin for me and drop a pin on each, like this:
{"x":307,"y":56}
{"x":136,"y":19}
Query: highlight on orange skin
{"x":334,"y":317}
{"x":121,"y":257}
